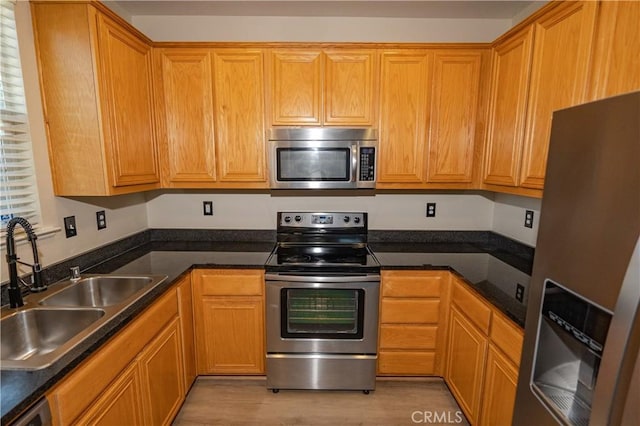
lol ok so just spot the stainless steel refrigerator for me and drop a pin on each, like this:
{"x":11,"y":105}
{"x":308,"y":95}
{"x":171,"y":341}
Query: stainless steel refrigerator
{"x":580,"y":361}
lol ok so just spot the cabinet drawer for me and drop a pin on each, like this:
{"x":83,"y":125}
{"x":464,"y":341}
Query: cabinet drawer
{"x":408,"y":336}
{"x":406,"y":363}
{"x":232,"y":282}
{"x":399,"y":311}
{"x":411,"y":284}
{"x":507,"y":336}
{"x":472,"y":306}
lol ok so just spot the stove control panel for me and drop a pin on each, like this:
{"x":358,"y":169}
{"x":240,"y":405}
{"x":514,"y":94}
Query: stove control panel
{"x":322,"y":220}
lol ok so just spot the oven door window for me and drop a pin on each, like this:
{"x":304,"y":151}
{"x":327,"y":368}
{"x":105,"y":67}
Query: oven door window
{"x":322,"y":313}
{"x":313,"y":164}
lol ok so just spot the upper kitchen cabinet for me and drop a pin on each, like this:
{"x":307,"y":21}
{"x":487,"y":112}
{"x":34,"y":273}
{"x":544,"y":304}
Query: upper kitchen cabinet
{"x":350,"y":87}
{"x":539,"y":67}
{"x":456,"y":111}
{"x":333,"y":87}
{"x":96,"y":84}
{"x":184,"y":93}
{"x":210,"y":105}
{"x":509,"y":88}
{"x":296,"y":87}
{"x":616,"y":62}
{"x":431,"y":117}
{"x":563,"y":39}
{"x":238,"y":87}
{"x":404,"y":111}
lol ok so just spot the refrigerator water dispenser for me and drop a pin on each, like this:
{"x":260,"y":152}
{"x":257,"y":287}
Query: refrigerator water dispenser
{"x":571,"y":339}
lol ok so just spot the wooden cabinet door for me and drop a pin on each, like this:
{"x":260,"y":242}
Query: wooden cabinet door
{"x":404,"y":101}
{"x":509,"y":88}
{"x":350,"y":87}
{"x":499,"y":392}
{"x":616,"y":61}
{"x":185,"y":104}
{"x":561,"y":50}
{"x":231,"y":330}
{"x":185,"y":311}
{"x":239,"y":111}
{"x":162,"y":375}
{"x":466,"y":354}
{"x":454,"y":107}
{"x":119,"y":404}
{"x":296,"y":87}
{"x":127,"y":105}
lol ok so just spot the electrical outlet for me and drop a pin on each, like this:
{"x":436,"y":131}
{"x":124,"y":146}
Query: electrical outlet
{"x":528,"y":219}
{"x":70,"y":226}
{"x":519,"y":292}
{"x":101,"y":219}
{"x":207,"y":208}
{"x":431,"y":209}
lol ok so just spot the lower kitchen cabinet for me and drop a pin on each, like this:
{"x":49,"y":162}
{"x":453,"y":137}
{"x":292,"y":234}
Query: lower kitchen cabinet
{"x":466,"y":356}
{"x":162,"y":378}
{"x":185,"y":308}
{"x":412,"y":309}
{"x":483,"y":357}
{"x":120,"y":404}
{"x":229,"y":321}
{"x":136,"y":378}
{"x":499,"y":391}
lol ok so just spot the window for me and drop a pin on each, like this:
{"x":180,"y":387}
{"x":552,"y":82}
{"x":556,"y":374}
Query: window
{"x":18,"y":189}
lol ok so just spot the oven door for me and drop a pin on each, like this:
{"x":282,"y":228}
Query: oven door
{"x":322,"y":314}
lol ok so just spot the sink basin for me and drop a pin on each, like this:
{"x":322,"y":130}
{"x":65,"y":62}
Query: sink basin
{"x":98,"y":291}
{"x":33,"y":338}
{"x":54,"y":322}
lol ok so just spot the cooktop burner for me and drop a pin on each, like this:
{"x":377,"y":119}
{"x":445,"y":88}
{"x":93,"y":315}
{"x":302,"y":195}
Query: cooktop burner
{"x":327,"y":242}
{"x":314,"y":254}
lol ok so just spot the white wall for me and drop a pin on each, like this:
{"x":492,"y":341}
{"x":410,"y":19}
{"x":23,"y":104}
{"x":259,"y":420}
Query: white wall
{"x":454,"y":211}
{"x":126,"y":215}
{"x":508,"y":217}
{"x":320,"y":29}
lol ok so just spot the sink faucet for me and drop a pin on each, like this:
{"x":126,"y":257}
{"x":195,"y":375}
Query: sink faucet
{"x":15,"y":295}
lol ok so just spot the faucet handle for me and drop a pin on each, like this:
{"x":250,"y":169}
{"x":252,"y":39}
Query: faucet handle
{"x":75,"y":273}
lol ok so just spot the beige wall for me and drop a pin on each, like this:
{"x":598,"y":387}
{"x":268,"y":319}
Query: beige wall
{"x":508,"y":217}
{"x":454,"y":211}
{"x":326,"y":29}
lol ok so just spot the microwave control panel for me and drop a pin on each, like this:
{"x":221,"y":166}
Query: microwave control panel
{"x":367,"y":164}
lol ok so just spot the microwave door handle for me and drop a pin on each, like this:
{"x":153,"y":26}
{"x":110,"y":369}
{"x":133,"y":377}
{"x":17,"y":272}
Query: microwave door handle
{"x":355,"y":154}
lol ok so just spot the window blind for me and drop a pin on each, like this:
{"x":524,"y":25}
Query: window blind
{"x":18,"y":189}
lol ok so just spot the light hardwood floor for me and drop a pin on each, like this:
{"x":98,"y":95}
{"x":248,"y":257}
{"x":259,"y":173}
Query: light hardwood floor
{"x":230,"y":401}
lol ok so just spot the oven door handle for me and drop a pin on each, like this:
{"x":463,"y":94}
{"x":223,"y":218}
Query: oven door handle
{"x":322,"y":278}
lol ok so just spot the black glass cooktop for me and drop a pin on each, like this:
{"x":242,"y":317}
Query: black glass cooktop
{"x":317,"y":257}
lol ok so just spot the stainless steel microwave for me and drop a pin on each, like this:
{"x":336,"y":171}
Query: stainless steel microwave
{"x":322,"y":158}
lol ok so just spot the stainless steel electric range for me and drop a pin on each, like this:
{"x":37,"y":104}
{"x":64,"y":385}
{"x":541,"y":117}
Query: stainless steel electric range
{"x":322,"y":297}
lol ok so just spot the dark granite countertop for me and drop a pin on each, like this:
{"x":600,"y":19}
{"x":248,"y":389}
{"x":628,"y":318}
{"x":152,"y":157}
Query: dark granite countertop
{"x":490,"y":272}
{"x":488,"y":265}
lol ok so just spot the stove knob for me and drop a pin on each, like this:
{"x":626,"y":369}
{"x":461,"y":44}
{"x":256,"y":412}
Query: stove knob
{"x":287,"y":219}
{"x":298,"y":218}
{"x":356,"y":219}
{"x":346,"y":219}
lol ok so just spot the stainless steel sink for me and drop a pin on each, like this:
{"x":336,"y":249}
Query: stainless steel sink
{"x":33,"y":336}
{"x":54,"y":322}
{"x":98,"y":291}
